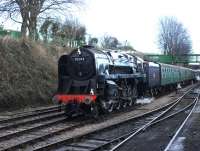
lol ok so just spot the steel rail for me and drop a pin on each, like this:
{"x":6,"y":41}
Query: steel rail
{"x":23,"y":131}
{"x":127,"y":135}
{"x":49,"y":146}
{"x":28,"y":114}
{"x":39,"y":138}
{"x":50,"y":134}
{"x":30,"y":121}
{"x":181,"y":127}
{"x":173,"y":114}
{"x":152,"y":122}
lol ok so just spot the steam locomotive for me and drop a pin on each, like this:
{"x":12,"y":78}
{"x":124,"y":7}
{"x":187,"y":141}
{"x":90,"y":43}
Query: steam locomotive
{"x":92,"y":80}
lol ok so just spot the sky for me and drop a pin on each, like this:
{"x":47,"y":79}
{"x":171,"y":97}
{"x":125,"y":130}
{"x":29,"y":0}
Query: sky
{"x":137,"y":21}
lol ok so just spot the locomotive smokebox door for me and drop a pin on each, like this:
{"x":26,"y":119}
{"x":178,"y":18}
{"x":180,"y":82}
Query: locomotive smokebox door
{"x":81,"y":64}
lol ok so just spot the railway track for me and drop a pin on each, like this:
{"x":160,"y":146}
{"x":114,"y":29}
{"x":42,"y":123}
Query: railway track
{"x":19,"y":141}
{"x":24,"y":128}
{"x":34,"y":126}
{"x":172,"y":145}
{"x":157,"y":133}
{"x":32,"y":113}
{"x":50,"y":130}
{"x":104,"y":137}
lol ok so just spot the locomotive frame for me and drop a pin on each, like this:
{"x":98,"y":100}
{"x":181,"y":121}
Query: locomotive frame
{"x":93,"y":80}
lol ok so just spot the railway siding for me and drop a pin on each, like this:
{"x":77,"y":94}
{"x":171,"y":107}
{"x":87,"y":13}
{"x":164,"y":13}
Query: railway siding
{"x":32,"y":140}
{"x":188,"y":137}
{"x":161,"y":135}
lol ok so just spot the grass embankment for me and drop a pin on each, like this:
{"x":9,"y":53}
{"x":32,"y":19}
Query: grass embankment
{"x":28,"y":73}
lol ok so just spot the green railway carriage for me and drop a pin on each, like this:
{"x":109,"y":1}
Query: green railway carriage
{"x":186,"y":74}
{"x":171,"y":74}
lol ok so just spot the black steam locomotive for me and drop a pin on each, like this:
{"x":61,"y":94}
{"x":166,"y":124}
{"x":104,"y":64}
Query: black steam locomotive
{"x":93,"y":80}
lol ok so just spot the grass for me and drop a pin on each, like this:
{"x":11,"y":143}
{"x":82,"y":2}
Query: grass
{"x":28,"y":73}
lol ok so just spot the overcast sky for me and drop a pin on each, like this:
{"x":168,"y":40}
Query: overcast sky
{"x":137,"y":20}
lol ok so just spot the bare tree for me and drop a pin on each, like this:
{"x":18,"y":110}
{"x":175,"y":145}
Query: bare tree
{"x":30,"y":10}
{"x":173,"y":37}
{"x":109,"y":42}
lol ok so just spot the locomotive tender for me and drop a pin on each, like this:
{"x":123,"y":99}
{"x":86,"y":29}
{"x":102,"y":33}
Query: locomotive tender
{"x":92,"y":80}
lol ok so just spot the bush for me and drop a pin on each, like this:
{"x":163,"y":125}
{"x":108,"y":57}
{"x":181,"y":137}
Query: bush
{"x":28,"y":73}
